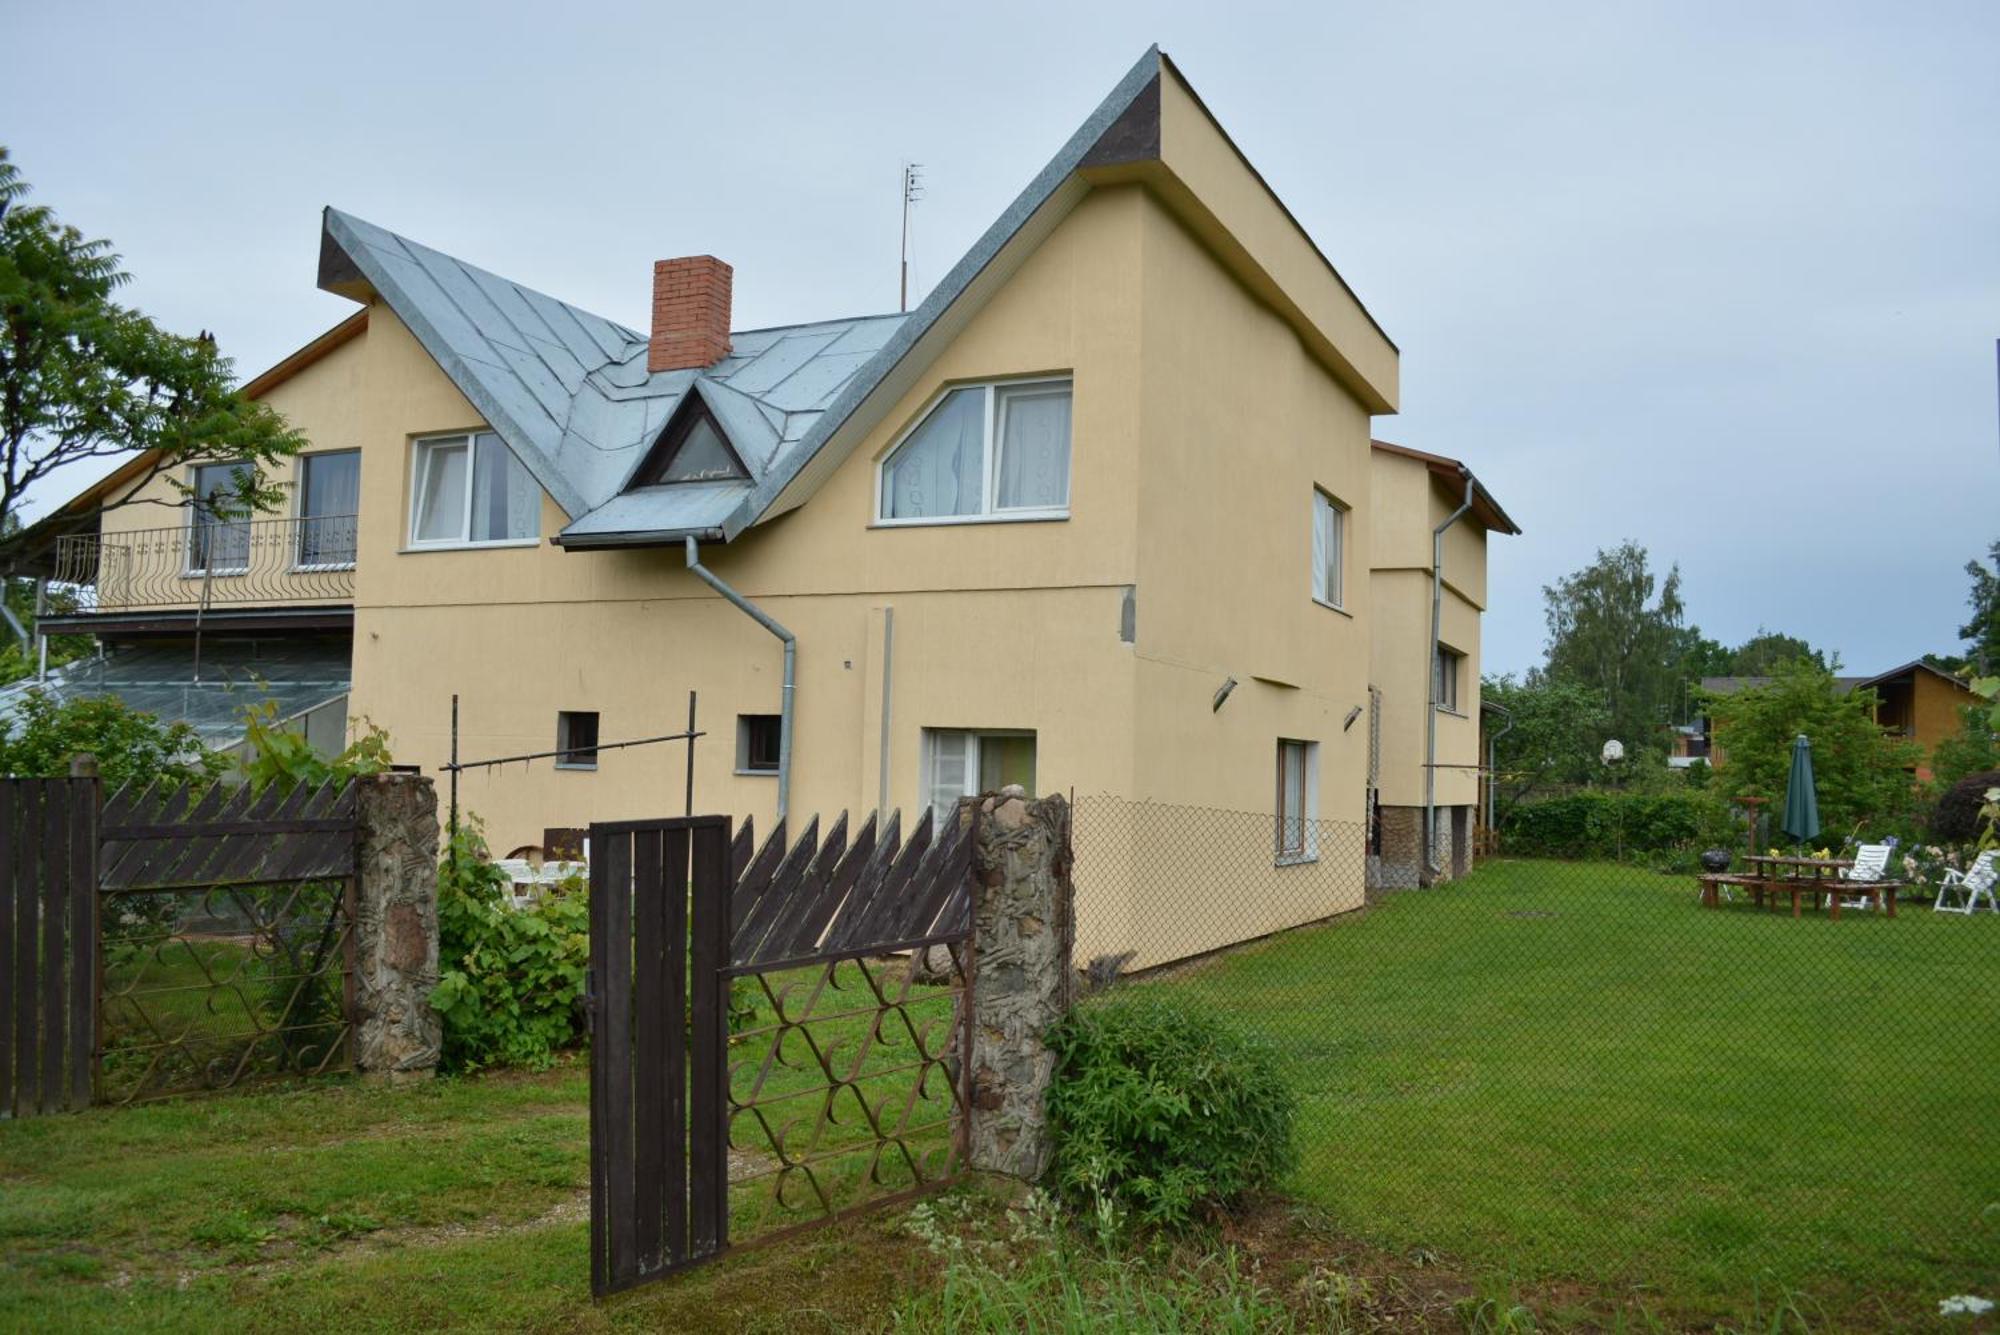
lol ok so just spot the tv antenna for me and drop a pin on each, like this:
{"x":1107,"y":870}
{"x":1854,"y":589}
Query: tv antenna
{"x":913,"y":190}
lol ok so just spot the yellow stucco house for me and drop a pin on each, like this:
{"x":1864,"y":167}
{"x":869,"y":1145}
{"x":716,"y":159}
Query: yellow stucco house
{"x":1102,"y":514}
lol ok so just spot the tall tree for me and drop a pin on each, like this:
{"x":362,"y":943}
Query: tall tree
{"x":83,"y":378}
{"x":1862,"y":774}
{"x":1551,"y":737}
{"x":1982,"y":632}
{"x":1616,"y":628}
{"x":1763,"y":653}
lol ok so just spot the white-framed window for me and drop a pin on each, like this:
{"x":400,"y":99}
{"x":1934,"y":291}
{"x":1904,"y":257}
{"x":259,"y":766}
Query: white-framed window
{"x":1329,"y":539}
{"x":329,"y":494}
{"x":963,"y":762}
{"x":218,"y":525}
{"x":982,"y":452}
{"x":1298,"y":801}
{"x":468,"y":490}
{"x":1447,"y":669}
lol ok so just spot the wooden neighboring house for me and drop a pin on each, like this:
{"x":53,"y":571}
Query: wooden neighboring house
{"x":1101,"y":514}
{"x":1916,"y":702}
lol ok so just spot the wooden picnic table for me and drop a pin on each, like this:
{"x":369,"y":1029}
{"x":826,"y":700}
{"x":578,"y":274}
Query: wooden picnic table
{"x":1803,"y":878}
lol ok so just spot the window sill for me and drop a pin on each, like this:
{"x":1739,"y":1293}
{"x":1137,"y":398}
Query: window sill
{"x":1455,"y":713}
{"x":1334,"y":607}
{"x":1296,"y":859}
{"x":320,"y":568}
{"x":236,"y":573}
{"x":414,"y":549}
{"x":948,"y":521}
{"x":755,"y":773}
{"x":572,"y":765}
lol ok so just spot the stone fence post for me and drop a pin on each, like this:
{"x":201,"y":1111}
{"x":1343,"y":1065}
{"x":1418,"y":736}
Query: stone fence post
{"x":1022,"y":928}
{"x":397,"y":1035}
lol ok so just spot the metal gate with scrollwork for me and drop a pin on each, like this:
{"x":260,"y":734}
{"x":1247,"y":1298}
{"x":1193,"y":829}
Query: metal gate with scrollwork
{"x":779,"y":1033}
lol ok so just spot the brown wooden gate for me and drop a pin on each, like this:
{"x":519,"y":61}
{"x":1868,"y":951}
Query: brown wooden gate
{"x":48,"y":935}
{"x":682,"y":915}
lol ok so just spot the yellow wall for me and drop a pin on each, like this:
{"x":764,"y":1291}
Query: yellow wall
{"x":1202,"y":422}
{"x":149,"y":535}
{"x":1935,"y":714}
{"x":1409,"y":504}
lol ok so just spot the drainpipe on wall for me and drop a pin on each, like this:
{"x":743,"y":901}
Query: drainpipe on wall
{"x":790,"y":641}
{"x":1430,"y":867}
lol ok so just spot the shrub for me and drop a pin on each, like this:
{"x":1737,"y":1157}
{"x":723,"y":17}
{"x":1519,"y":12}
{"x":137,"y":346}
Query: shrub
{"x":1956,"y":817}
{"x":1161,"y":1114}
{"x":1598,"y":823}
{"x":46,"y":731}
{"x":508,"y":979}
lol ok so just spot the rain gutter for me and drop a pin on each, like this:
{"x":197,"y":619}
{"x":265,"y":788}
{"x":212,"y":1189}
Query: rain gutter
{"x":1430,"y":867}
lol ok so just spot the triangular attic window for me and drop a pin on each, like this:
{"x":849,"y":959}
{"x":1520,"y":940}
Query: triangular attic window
{"x":691,"y":449}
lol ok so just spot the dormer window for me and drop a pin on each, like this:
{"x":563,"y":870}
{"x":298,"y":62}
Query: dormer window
{"x":983,"y":452}
{"x":691,"y":449}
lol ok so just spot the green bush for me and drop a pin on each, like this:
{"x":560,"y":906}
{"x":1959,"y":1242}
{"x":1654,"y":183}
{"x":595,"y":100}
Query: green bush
{"x":1956,"y":817}
{"x":46,"y":731}
{"x":1161,"y":1113}
{"x":508,"y":979}
{"x":1599,"y":823}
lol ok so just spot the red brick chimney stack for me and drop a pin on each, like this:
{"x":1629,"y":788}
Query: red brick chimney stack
{"x":690,"y":313}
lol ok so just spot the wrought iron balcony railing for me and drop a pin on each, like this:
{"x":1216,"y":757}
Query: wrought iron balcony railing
{"x":207,"y":561}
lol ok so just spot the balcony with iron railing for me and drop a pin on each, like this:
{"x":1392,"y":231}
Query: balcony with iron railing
{"x":210,"y":562}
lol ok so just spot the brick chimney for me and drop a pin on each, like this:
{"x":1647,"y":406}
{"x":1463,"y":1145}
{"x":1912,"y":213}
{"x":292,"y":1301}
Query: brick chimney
{"x":690,"y":313}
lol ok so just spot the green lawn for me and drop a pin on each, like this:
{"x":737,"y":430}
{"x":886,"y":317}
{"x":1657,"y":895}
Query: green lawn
{"x":1566,"y":1089}
{"x":1559,"y":1070}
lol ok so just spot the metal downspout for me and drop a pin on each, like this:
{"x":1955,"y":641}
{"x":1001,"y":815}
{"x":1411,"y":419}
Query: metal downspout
{"x":791,"y":643}
{"x":1430,"y":867}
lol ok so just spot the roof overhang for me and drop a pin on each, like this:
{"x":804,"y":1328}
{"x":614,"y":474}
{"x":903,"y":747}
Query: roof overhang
{"x":215,"y":621}
{"x":1452,"y":472}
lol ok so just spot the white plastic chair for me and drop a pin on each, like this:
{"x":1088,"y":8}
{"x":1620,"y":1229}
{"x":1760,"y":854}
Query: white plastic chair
{"x":1870,"y":861}
{"x":1972,"y":884}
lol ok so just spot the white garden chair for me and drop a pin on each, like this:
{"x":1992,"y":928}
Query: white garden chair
{"x":1970,"y":886}
{"x":1870,"y":862}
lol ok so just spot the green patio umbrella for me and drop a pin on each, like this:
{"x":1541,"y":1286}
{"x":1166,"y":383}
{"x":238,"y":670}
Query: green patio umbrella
{"x":1801,"y":819}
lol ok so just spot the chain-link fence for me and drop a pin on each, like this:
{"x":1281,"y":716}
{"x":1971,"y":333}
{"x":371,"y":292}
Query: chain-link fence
{"x":1583,"y":1069}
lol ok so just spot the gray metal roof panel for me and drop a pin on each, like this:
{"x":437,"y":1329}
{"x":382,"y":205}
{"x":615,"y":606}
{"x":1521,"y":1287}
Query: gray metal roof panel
{"x":681,"y":507}
{"x":569,"y":393}
{"x":787,"y":355}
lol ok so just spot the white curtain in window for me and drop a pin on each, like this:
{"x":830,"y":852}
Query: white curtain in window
{"x":1034,"y":449}
{"x":1291,"y":797}
{"x":939,"y":469}
{"x":505,"y":499}
{"x":441,"y":493}
{"x":1326,"y":549}
{"x":328,"y":499}
{"x":954,"y":761}
{"x":219,"y":539}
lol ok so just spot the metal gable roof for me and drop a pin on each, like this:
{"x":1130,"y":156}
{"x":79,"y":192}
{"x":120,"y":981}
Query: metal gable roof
{"x":569,"y":391}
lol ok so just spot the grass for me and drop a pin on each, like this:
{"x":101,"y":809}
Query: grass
{"x":1536,"y":1100}
{"x":1557,"y":1071}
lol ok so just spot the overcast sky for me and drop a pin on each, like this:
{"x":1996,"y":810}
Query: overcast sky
{"x":1723,"y":278}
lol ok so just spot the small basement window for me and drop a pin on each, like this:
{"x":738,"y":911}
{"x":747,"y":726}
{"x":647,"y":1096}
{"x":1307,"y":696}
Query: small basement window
{"x":576,"y":738}
{"x":758,"y":738}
